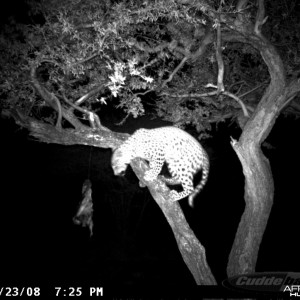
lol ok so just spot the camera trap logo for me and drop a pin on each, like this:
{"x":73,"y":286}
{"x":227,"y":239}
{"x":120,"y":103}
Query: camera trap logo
{"x":287,"y":283}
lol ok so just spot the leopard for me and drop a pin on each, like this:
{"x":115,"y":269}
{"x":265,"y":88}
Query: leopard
{"x":182,"y":153}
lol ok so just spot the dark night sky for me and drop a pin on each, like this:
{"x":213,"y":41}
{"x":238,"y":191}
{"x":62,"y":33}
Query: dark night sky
{"x":12,"y":8}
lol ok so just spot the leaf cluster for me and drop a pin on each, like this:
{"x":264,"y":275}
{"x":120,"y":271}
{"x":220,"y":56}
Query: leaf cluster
{"x":127,"y":49}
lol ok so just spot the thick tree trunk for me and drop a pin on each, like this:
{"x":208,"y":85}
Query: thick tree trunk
{"x":259,"y":186}
{"x":259,"y":192}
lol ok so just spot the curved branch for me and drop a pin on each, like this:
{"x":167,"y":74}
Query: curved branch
{"x":93,"y":118}
{"x":259,"y":184}
{"x":240,"y":102}
{"x":52,"y":101}
{"x":48,"y":97}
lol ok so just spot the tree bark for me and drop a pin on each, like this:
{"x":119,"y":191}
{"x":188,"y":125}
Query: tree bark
{"x":48,"y":133}
{"x":193,"y":253}
{"x":259,"y":192}
{"x":259,"y":185}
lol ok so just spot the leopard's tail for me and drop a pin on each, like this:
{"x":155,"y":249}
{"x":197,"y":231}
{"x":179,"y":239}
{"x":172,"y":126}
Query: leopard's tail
{"x":199,"y":187}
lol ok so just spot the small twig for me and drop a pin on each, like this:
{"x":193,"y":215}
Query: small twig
{"x":252,"y":90}
{"x":123,"y":120}
{"x":260,"y":17}
{"x":219,"y":59}
{"x":85,"y":60}
{"x":59,"y":112}
{"x":287,"y":102}
{"x":153,"y":61}
{"x":88,"y":95}
{"x":195,"y":95}
{"x":93,"y":118}
{"x":175,"y":71}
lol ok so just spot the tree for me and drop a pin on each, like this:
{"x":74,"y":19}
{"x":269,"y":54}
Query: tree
{"x":199,"y":62}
